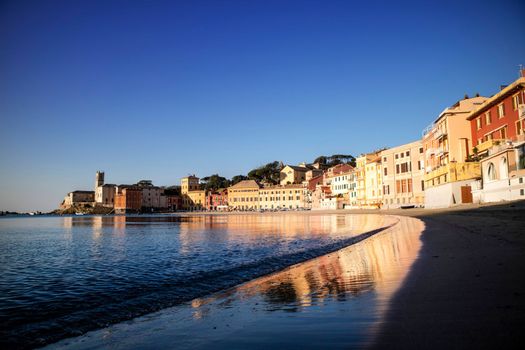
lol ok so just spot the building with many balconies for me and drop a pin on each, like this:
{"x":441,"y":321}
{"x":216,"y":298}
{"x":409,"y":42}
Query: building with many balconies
{"x":446,"y":144}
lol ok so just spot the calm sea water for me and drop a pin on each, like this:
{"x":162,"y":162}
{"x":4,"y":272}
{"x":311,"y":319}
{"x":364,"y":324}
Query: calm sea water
{"x":63,"y":276}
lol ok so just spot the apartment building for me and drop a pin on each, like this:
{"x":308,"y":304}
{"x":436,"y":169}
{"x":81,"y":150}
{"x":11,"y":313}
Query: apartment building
{"x":403,"y":175}
{"x":368,"y":181}
{"x":499,"y":118}
{"x":498,"y":130}
{"x":446,"y":144}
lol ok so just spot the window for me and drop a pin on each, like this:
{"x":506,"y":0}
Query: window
{"x":422,"y":185}
{"x":488,"y":118}
{"x":515,"y":101}
{"x":501,"y":110}
{"x":385,"y":171}
{"x":420,"y":149}
{"x":503,"y":132}
{"x":519,"y":127}
{"x":407,"y":153}
{"x":397,"y":156}
{"x":397,"y":168}
{"x":478,"y":123}
{"x":491,"y":172}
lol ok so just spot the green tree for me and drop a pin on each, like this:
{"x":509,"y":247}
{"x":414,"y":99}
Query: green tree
{"x":269,"y":172}
{"x":214,"y":182}
{"x":237,"y":179}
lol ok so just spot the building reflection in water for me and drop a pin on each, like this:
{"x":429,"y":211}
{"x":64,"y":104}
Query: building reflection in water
{"x":334,"y":301}
{"x":373,"y":269}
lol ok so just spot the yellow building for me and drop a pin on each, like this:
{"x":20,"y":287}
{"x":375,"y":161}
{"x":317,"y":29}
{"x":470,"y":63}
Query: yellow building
{"x":193,"y":198}
{"x":446,"y":144}
{"x":282,"y":197}
{"x":292,"y":174}
{"x":244,"y":195}
{"x":368,"y":180}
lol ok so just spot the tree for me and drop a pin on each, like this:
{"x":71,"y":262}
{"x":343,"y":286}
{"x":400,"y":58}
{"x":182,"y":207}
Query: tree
{"x":336,"y":159}
{"x":214,"y":182}
{"x":269,"y":173}
{"x":237,"y":179}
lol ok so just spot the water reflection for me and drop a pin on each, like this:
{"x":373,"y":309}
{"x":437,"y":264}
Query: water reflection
{"x":66,"y":275}
{"x":334,"y":301}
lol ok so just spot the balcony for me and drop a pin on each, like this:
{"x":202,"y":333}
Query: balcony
{"x":439,"y":134}
{"x":430,"y":152}
{"x":455,"y":172}
{"x":485,"y":146}
{"x":441,"y":151}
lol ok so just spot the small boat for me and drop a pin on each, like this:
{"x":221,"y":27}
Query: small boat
{"x":408,"y":206}
{"x":79,"y":213}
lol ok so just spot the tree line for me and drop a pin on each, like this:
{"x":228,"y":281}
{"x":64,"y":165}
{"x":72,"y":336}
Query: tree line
{"x":269,"y":172}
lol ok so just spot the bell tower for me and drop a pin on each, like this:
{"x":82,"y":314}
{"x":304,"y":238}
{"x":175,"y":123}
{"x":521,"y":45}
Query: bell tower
{"x":99,"y":179}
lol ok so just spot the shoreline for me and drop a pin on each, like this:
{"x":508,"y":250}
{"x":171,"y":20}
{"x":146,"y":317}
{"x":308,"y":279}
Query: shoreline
{"x":356,"y":280}
{"x":464,"y":289}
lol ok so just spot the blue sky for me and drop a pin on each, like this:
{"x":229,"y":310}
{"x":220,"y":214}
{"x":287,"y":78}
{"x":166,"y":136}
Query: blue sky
{"x":160,"y":89}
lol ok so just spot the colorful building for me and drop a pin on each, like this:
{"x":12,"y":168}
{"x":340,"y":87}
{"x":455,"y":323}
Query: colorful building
{"x":193,"y":198}
{"x":217,"y":200}
{"x":244,"y":195}
{"x":500,"y":118}
{"x":128,"y":199}
{"x":292,"y":174}
{"x":446,"y":144}
{"x":402,"y":174}
{"x":283,"y":197}
{"x":368,"y":181}
{"x":498,"y":130}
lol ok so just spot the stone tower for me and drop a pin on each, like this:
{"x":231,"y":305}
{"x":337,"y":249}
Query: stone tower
{"x":99,"y":179}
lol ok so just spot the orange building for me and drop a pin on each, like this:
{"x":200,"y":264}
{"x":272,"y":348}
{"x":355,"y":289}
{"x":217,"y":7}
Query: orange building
{"x":128,"y":199}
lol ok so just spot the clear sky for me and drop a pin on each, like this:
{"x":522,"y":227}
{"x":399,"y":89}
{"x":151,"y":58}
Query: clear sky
{"x":160,"y":89}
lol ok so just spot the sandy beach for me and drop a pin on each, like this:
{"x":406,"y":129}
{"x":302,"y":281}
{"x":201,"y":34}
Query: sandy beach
{"x":439,"y":278}
{"x":466,"y":289}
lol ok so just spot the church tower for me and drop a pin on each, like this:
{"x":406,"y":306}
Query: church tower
{"x":99,"y":179}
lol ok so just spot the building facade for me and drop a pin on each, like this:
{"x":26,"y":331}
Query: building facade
{"x":282,"y":197}
{"x":446,"y":145}
{"x":244,"y":195}
{"x":128,"y":199}
{"x":500,"y":118}
{"x":292,"y":174}
{"x":217,"y":200}
{"x":503,"y":173}
{"x":403,"y":175}
{"x":193,"y":198}
{"x":78,"y":198}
